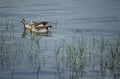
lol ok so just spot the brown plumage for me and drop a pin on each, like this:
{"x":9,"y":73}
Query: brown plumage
{"x":40,"y":23}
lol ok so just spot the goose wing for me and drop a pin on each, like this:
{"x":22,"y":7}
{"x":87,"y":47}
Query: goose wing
{"x":40,"y":23}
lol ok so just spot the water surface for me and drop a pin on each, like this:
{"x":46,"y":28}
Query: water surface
{"x":33,"y":56}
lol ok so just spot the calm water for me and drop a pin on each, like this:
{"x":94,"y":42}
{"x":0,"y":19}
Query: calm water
{"x":33,"y":56}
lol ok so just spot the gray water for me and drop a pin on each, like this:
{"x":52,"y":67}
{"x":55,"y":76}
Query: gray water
{"x":32,"y":56}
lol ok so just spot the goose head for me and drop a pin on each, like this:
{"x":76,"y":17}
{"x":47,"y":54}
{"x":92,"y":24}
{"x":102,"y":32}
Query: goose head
{"x":26,"y":24}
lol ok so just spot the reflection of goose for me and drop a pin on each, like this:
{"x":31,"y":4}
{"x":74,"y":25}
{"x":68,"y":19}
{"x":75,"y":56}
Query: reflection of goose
{"x":35,"y":34}
{"x":25,"y":32}
{"x":28,"y":33}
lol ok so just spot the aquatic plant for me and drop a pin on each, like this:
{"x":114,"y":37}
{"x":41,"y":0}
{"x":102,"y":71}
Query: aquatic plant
{"x":102,"y":57}
{"x":76,"y":56}
{"x":60,"y":59}
{"x":72,"y":56}
{"x":9,"y":47}
{"x":113,"y":62}
{"x":35,"y":57}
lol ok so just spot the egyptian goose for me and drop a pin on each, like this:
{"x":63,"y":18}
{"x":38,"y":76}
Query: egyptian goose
{"x":36,"y":26}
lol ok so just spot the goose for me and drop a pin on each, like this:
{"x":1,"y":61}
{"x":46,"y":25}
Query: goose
{"x":35,"y":24}
{"x":39,"y":27}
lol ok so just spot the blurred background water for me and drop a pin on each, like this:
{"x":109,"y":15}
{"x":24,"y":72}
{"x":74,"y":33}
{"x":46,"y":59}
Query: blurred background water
{"x":87,"y":19}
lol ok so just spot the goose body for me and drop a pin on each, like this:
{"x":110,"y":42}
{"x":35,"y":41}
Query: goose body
{"x":42,"y":29}
{"x":42,"y":23}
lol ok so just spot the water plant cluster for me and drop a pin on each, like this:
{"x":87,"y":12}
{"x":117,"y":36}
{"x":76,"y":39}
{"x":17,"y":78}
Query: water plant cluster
{"x":78,"y":57}
{"x":10,"y":49}
{"x":73,"y":59}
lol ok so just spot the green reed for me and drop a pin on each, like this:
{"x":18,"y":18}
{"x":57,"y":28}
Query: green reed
{"x":76,"y":56}
{"x":4,"y":54}
{"x":7,"y":23}
{"x":72,"y":56}
{"x":102,"y":54}
{"x":9,"y":48}
{"x":113,"y":62}
{"x":60,"y":58}
{"x":13,"y":31}
{"x":109,"y":55}
{"x":35,"y":56}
